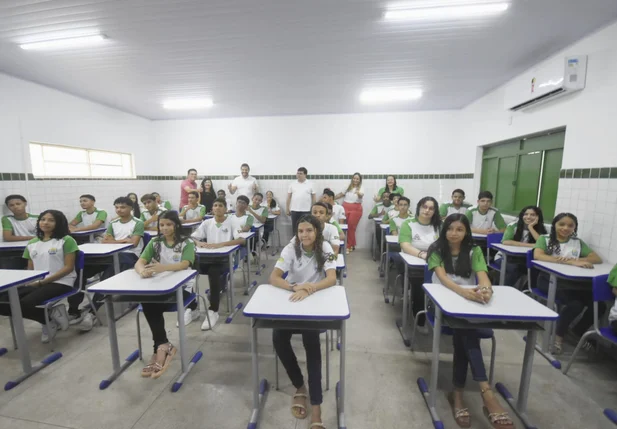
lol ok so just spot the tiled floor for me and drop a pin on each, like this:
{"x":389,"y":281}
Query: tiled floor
{"x":381,"y":373}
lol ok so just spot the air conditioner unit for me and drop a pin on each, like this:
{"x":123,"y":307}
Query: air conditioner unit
{"x":553,"y":80}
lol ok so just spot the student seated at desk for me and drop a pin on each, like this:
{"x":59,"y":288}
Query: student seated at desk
{"x":382,"y":207}
{"x":54,"y":250}
{"x":260,"y":216}
{"x":150,"y":216}
{"x":241,"y":220}
{"x":458,"y":204}
{"x":164,"y":205}
{"x":215,"y":233}
{"x":612,"y":316}
{"x":21,"y":225}
{"x":563,"y":247}
{"x":456,"y":261}
{"x":193,"y":211}
{"x":274,"y":209}
{"x":330,"y":232}
{"x":415,"y":237}
{"x":89,"y":217}
{"x":403,"y":215}
{"x":125,"y":229}
{"x":230,"y":205}
{"x":484,"y":218}
{"x":169,"y":251}
{"x":136,"y":208}
{"x":311,"y":267}
{"x":523,"y":232}
{"x":341,"y":233}
{"x":338,"y":211}
{"x":393,"y":211}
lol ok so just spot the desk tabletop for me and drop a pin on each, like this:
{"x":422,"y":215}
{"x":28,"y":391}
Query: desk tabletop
{"x":412,"y":261}
{"x":102,"y":249}
{"x":378,"y":219}
{"x":507,"y":304}
{"x":192,"y":224}
{"x":273,"y":216}
{"x":340,"y":261}
{"x":225,"y":250}
{"x":392,"y":239}
{"x":344,"y":226}
{"x":247,"y":235}
{"x":270,"y":302}
{"x":130,"y":283}
{"x":511,"y":250}
{"x":13,"y":245}
{"x":10,"y":278}
{"x":479,"y":236}
{"x":384,"y":226}
{"x":572,"y":272}
{"x":92,"y":231}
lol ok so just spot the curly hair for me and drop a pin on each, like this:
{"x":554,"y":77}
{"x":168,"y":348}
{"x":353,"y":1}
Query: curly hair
{"x":320,"y":257}
{"x":553,"y":247}
{"x":61,"y":229}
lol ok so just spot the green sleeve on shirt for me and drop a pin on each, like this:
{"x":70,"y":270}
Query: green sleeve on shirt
{"x":139,"y":229}
{"x":265,"y":212}
{"x":142,"y":217}
{"x":509,"y":234}
{"x":26,"y":254}
{"x":612,"y":277}
{"x":393,"y":227}
{"x":404,"y":235}
{"x":101,"y":215}
{"x":202,"y":212}
{"x":399,"y":190}
{"x":70,"y":245}
{"x":250,"y":220}
{"x":6,"y":224}
{"x":338,"y":227}
{"x":79,"y":217}
{"x":443,"y":210}
{"x":385,"y":218}
{"x":585,"y":249}
{"x":381,"y":191}
{"x":167,"y":205}
{"x":148,"y":252}
{"x":373,"y":212}
{"x":188,"y":254}
{"x":498,"y":221}
{"x":434,"y":261}
{"x":110,"y":230}
{"x":478,"y":263}
{"x":541,"y":243}
{"x":469,"y":215}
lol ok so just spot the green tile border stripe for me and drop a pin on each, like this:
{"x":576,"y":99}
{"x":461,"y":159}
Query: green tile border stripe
{"x":22,"y":176}
{"x":589,"y":173}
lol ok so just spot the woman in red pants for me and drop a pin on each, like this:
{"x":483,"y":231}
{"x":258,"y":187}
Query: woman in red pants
{"x":352,"y":203}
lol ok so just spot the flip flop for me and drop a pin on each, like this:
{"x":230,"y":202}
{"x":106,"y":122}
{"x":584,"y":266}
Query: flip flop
{"x":295,"y":408}
{"x":317,"y":425}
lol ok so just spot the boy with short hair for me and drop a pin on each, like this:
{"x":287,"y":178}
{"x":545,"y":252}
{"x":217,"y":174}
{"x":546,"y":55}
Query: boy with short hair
{"x":484,"y":218}
{"x":382,"y":207}
{"x":221,"y":194}
{"x":241,"y":220}
{"x":403,"y":215}
{"x":393,"y":212}
{"x":21,"y":225}
{"x":89,"y":217}
{"x":260,"y":215}
{"x":165,"y":205}
{"x":150,"y":216}
{"x":458,"y":204}
{"x":125,"y":229}
{"x":193,"y":211}
{"x":215,"y":233}
{"x":331,"y":221}
{"x":338,"y":211}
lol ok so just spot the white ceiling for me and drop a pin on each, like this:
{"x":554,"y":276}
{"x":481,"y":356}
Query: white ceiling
{"x":281,"y":57}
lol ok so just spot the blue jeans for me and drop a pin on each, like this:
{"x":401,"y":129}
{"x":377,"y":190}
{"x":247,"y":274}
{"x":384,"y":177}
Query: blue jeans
{"x":467,"y":353}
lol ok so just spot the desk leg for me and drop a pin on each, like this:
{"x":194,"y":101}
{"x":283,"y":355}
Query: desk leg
{"x":373,"y":243}
{"x":91,"y":238}
{"x":548,"y":326}
{"x":430,"y":395}
{"x":403,"y":323}
{"x":382,"y":261}
{"x":230,"y":286}
{"x":116,"y":260}
{"x":386,"y":287}
{"x":520,"y":406}
{"x":186,"y":367}
{"x":502,"y":273}
{"x":22,"y":344}
{"x":259,"y":387}
{"x":113,"y":343}
{"x":340,"y":387}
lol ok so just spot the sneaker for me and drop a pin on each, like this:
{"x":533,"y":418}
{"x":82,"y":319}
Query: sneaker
{"x":47,"y":335}
{"x":59,"y":315}
{"x":214,"y":317}
{"x":74,"y":319}
{"x":87,"y":322}
{"x":189,"y":316}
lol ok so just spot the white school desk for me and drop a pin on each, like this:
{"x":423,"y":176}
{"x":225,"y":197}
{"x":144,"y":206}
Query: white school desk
{"x":414,"y":263}
{"x":90,"y":234}
{"x":249,"y":236}
{"x":374,"y":244}
{"x":228,"y":251}
{"x":192,"y":225}
{"x":130,"y":284}
{"x":100,"y":250}
{"x":384,"y":231}
{"x":270,"y":308}
{"x":506,"y":250}
{"x":344,"y":226}
{"x":566,"y":272}
{"x":340,"y":267}
{"x":389,"y":239}
{"x":10,"y":280}
{"x":509,"y":308}
{"x":479,"y":237}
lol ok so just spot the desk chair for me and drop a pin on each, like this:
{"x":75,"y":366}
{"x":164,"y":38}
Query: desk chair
{"x":493,"y":239}
{"x":485,"y":334}
{"x":383,"y":258}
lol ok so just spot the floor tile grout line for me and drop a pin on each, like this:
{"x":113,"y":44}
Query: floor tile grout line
{"x":38,"y":422}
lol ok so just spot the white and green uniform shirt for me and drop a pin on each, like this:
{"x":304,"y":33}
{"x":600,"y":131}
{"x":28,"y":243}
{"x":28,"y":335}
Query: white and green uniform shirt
{"x":304,"y":269}
{"x":20,"y":228}
{"x":197,"y":213}
{"x":86,"y":219}
{"x":511,"y":231}
{"x":478,"y":263}
{"x":338,"y":212}
{"x":165,"y":205}
{"x":146,"y":216}
{"x":337,"y":226}
{"x":446,"y":209}
{"x":239,"y":222}
{"x":214,"y":233}
{"x":390,"y":214}
{"x":49,"y":256}
{"x":395,"y":223}
{"x":120,"y":230}
{"x":159,"y":250}
{"x":418,"y":235}
{"x":574,"y":248}
{"x":491,"y":219}
{"x":263,"y":211}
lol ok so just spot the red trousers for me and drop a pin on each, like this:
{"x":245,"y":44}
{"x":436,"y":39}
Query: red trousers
{"x":353,"y":212}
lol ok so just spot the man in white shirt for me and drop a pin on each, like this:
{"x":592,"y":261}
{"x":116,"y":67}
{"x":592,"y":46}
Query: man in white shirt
{"x":300,"y":198}
{"x":244,"y":184}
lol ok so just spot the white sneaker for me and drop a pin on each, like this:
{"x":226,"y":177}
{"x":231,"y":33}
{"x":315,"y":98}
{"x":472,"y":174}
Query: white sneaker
{"x":47,"y":335}
{"x":60,"y":316}
{"x":74,"y":319}
{"x":214,"y":317}
{"x":87,"y":323}
{"x":189,"y":316}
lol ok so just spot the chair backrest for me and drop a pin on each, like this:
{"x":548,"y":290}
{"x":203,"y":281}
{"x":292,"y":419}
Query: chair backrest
{"x":494,"y":238}
{"x":428,"y":275}
{"x":602,"y":291}
{"x":146,"y":238}
{"x":80,"y":262}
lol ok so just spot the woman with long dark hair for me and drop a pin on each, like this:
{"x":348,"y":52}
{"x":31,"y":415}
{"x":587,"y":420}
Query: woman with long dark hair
{"x":352,"y":203}
{"x":390,"y":187}
{"x":135,"y":200}
{"x":208,"y":194}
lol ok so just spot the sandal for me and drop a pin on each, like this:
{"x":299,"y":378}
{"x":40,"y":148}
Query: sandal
{"x":170,"y":352}
{"x":317,"y":425}
{"x":461,"y":415}
{"x":296,"y":409}
{"x":148,"y":370}
{"x":497,"y":420}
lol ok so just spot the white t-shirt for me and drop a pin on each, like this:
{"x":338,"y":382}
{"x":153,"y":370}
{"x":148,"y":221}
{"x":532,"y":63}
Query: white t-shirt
{"x":418,"y":235}
{"x":197,"y":213}
{"x":330,"y":235}
{"x":261,"y":211}
{"x":120,"y":231}
{"x":301,"y":196}
{"x":245,"y":186}
{"x":146,"y":215}
{"x":49,"y":256}
{"x":352,"y":197}
{"x":20,"y":228}
{"x":239,"y":222}
{"x":338,"y":212}
{"x":214,"y":233}
{"x":304,"y":269}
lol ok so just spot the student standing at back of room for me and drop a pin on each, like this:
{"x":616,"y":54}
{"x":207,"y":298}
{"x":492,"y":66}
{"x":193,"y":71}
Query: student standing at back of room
{"x":189,"y":184}
{"x":208,"y":194}
{"x":484,"y":218}
{"x":457,"y":205}
{"x":352,"y":203}
{"x":300,"y":198}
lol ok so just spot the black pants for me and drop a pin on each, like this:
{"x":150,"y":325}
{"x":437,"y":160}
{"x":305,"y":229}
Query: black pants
{"x":153,"y":312}
{"x":268,"y":228}
{"x":30,"y":297}
{"x":214,"y":268}
{"x":295,"y":217}
{"x":573,"y":302}
{"x":282,"y":344}
{"x":467,"y":353}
